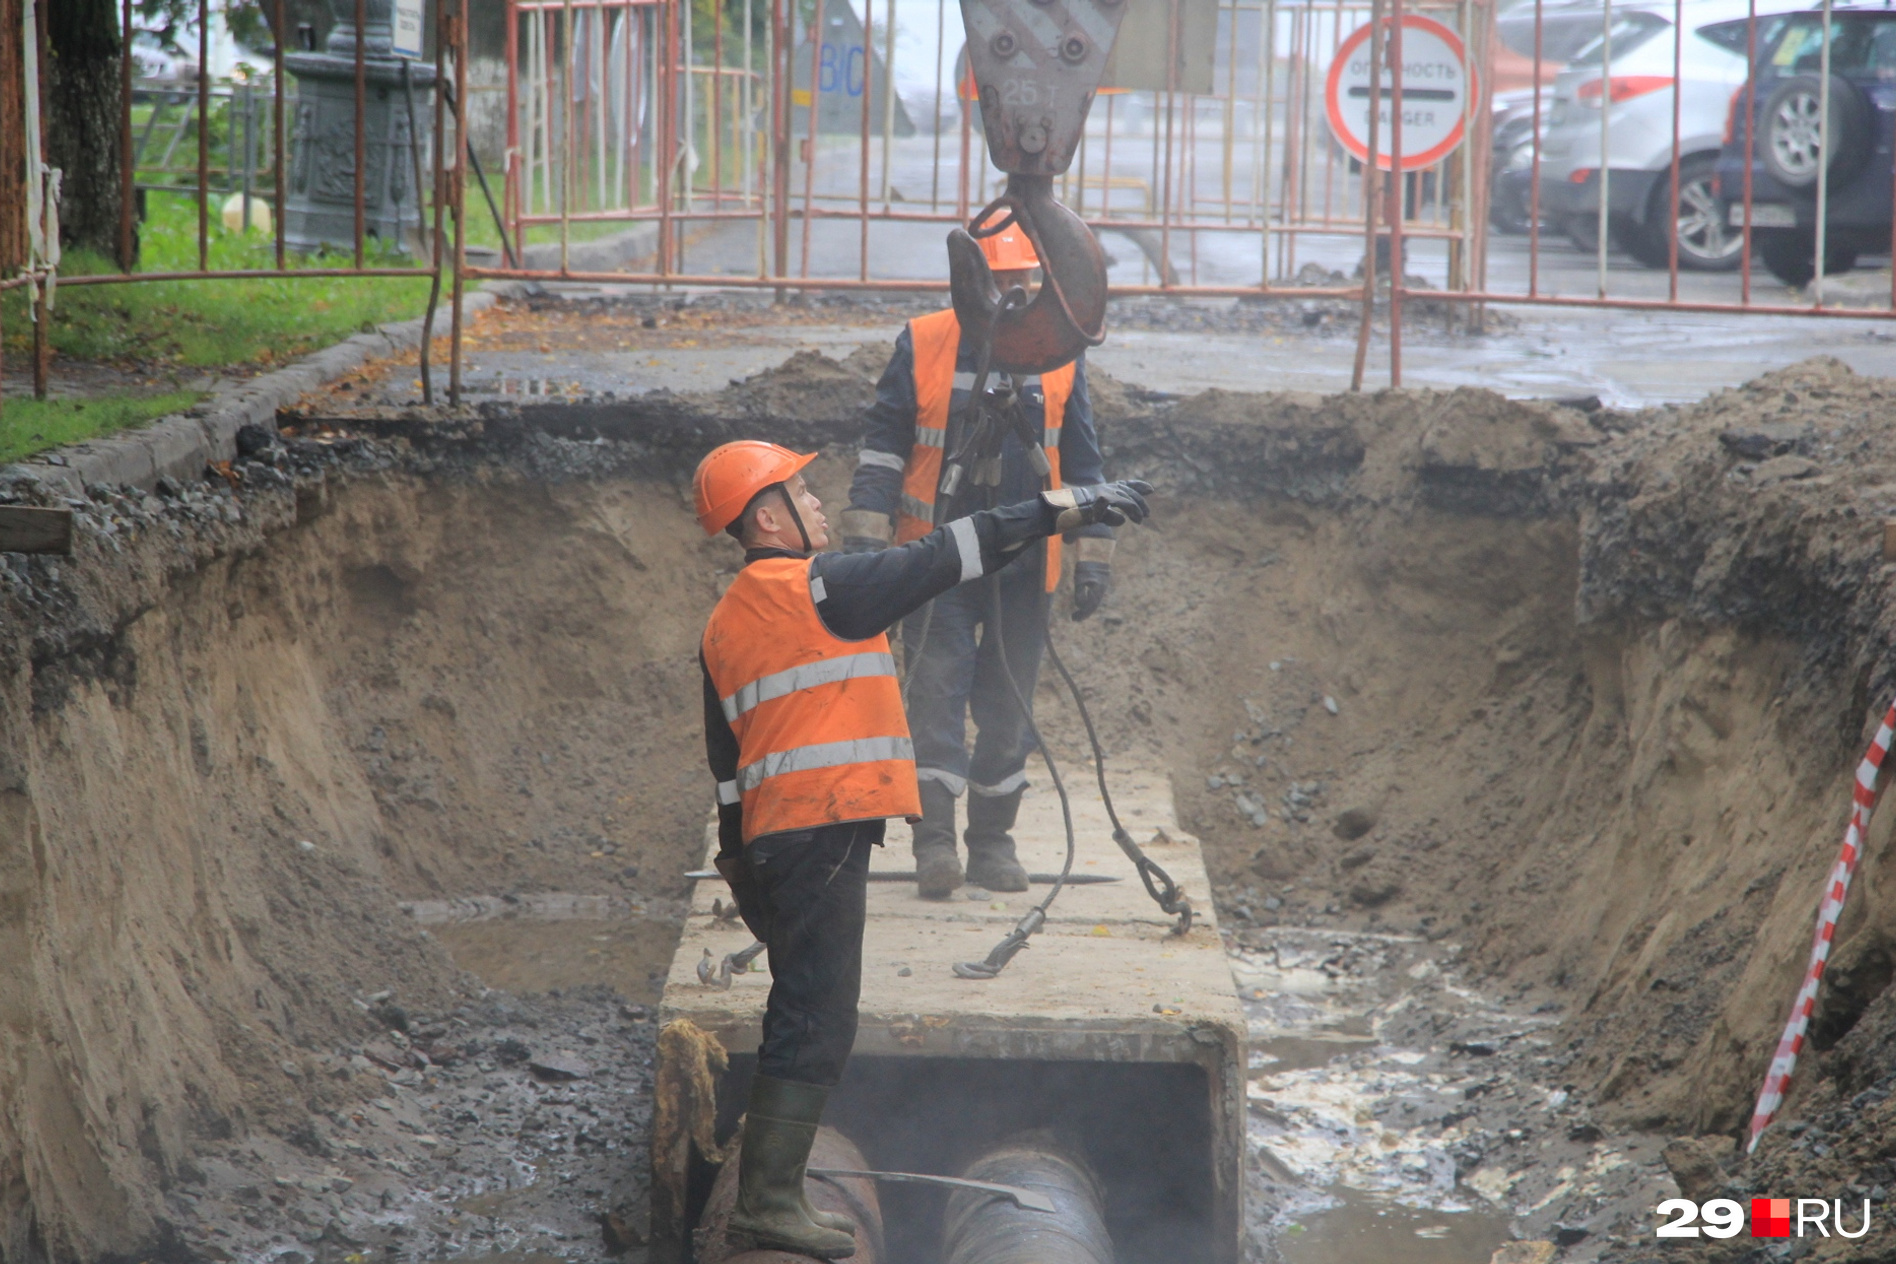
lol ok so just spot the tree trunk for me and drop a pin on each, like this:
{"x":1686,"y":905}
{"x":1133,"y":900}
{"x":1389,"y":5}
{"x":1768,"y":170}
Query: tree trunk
{"x":79,"y":101}
{"x":12,"y":147}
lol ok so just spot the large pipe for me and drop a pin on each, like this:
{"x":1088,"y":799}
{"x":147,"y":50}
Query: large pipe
{"x":984,"y":1229}
{"x":855,"y":1198}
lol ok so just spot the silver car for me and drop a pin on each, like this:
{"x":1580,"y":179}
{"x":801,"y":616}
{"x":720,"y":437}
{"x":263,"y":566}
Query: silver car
{"x":1637,"y":95}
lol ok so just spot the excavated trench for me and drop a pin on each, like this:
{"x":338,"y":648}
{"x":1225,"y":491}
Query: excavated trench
{"x":344,"y":811}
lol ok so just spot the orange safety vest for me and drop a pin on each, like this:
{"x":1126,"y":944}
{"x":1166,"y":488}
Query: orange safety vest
{"x":821,"y":734}
{"x":936,"y":339}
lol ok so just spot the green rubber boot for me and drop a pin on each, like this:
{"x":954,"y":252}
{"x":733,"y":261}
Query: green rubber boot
{"x":937,"y":868}
{"x":772,"y":1209}
{"x":991,"y":860}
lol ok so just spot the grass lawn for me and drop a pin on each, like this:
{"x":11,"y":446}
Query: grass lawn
{"x":168,"y":325}
{"x":157,"y":331}
{"x":30,"y":425}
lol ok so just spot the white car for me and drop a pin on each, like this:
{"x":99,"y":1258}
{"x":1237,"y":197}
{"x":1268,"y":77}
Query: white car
{"x":1638,"y":96}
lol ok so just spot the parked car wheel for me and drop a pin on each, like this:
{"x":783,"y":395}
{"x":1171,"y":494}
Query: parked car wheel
{"x":1791,"y":255}
{"x":1706,"y":243}
{"x":1509,"y":208}
{"x":1792,"y":140}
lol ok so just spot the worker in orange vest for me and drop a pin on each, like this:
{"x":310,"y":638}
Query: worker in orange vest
{"x":954,"y":656}
{"x":808,"y":743}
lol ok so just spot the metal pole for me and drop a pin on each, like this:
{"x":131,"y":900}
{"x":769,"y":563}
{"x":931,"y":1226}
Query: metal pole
{"x":1672,"y":217}
{"x":1823,"y":158}
{"x":1751,"y":101}
{"x":34,"y":51}
{"x":817,"y":27}
{"x":888,"y":96}
{"x":442,"y":40}
{"x":717,"y":107}
{"x":1534,"y":172}
{"x":1267,"y":50}
{"x":689,"y":137}
{"x":459,"y":189}
{"x":569,"y":58}
{"x":862,"y":174}
{"x":414,"y":158}
{"x":510,"y":168}
{"x":204,"y":137}
{"x":665,"y":84}
{"x":963,"y":173}
{"x":1296,"y":125}
{"x":1468,"y":146}
{"x":782,"y":79}
{"x":281,"y":160}
{"x":1230,"y":109}
{"x":1606,"y":108}
{"x":1165,"y":179}
{"x":1371,"y":176}
{"x":934,"y":174}
{"x":745,"y":111}
{"x":1399,"y":183}
{"x":361,"y":125}
{"x":128,"y":190}
{"x":250,"y":149}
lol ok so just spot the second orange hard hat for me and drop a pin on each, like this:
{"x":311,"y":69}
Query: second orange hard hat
{"x":1009,"y":249}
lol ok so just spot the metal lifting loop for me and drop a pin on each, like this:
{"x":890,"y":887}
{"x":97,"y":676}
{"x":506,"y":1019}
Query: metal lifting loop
{"x":1068,"y":315}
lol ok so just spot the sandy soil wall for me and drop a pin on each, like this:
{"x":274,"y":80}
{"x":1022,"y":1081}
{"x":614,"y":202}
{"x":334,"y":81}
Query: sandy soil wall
{"x":1583,"y":692}
{"x":251,"y":739}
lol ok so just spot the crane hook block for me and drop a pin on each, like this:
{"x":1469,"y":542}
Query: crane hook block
{"x":1037,"y":64}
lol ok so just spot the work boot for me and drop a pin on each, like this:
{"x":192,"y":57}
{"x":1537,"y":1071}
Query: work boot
{"x":937,"y":868}
{"x":991,"y":860}
{"x":772,"y":1209}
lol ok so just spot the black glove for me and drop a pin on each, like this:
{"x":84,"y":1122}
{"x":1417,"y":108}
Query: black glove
{"x":743,"y":883}
{"x":1090,"y":582}
{"x":1110,"y":503}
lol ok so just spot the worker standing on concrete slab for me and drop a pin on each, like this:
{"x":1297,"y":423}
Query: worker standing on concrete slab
{"x":808,"y":742}
{"x":954,"y":663}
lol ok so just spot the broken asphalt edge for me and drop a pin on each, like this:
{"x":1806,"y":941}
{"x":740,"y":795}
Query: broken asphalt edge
{"x":180,"y":445}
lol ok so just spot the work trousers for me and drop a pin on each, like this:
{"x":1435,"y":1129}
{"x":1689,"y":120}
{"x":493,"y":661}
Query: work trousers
{"x":813,"y":885}
{"x":954,"y":670}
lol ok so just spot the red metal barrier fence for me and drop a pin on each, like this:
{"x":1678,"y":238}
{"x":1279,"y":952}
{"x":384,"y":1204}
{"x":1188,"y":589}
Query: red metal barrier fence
{"x":1534,"y":157}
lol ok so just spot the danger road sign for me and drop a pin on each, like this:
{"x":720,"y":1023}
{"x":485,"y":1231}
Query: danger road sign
{"x":1437,"y":85}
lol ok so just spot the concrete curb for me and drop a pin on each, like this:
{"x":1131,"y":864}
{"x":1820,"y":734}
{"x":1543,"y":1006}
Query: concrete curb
{"x":607,"y":254}
{"x":179,"y":446}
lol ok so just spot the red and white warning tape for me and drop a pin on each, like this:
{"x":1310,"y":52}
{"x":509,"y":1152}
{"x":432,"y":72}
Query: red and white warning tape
{"x":1777,"y":1080}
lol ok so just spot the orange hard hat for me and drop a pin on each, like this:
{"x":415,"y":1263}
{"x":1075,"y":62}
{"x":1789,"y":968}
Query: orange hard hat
{"x":1009,"y":248}
{"x":732,"y":474}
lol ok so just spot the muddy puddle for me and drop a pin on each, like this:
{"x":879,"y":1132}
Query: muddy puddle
{"x":1364,"y":1228}
{"x":1396,"y":1113}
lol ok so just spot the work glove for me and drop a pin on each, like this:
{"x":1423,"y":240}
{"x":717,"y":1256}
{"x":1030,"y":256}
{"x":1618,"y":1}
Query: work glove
{"x":1110,"y":503}
{"x":863,"y":544}
{"x":1090,"y":582}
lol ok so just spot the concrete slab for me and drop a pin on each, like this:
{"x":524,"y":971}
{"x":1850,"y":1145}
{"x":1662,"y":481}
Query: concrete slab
{"x":1104,"y":990}
{"x":1105,"y":970}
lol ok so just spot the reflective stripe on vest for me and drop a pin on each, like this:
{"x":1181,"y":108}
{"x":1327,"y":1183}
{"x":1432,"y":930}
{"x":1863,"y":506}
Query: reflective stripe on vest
{"x":821,"y":734}
{"x":861,"y":750}
{"x":936,"y":339}
{"x":808,"y":676}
